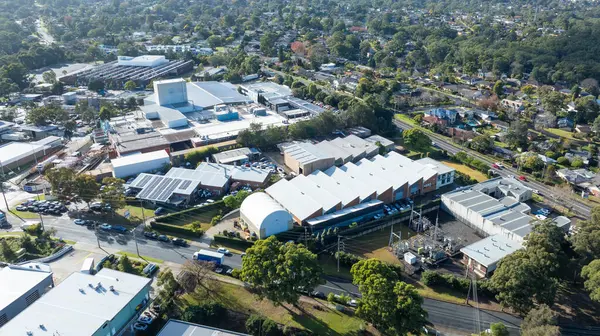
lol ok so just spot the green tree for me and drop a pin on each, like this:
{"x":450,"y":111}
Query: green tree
{"x":234,"y":202}
{"x":499,"y":88}
{"x":498,"y":329}
{"x":415,"y":138}
{"x":86,"y":187}
{"x":113,"y":193}
{"x":529,"y":275}
{"x":125,"y":265}
{"x":591,"y":274}
{"x":553,"y":102}
{"x":208,"y":313}
{"x":577,"y":163}
{"x":516,"y":135}
{"x":130,"y":85}
{"x":62,"y":182}
{"x":482,"y":143}
{"x":540,"y":321}
{"x":277,"y":270}
{"x":392,"y":306}
{"x":587,"y":240}
{"x":49,"y":77}
{"x":106,"y":113}
{"x":7,"y":253}
{"x":87,"y":113}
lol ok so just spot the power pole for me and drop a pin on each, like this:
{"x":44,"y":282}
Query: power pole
{"x":391,"y":235}
{"x":2,"y":186}
{"x":338,"y":253}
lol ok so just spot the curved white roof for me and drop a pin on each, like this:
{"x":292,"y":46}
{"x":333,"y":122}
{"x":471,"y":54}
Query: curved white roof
{"x":261,"y":209}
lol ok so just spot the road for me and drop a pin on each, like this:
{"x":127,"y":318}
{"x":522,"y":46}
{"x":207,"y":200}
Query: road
{"x":551,"y":195}
{"x":45,"y":37}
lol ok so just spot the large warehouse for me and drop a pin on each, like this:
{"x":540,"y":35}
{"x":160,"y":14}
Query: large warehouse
{"x":141,"y":69}
{"x":495,"y":207}
{"x":22,"y":286}
{"x":264,"y":216}
{"x":84,"y":304}
{"x":341,"y":195}
{"x":17,"y":154}
{"x":131,"y":165}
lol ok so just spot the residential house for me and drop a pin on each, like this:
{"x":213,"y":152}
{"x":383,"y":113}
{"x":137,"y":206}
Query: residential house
{"x":503,"y":152}
{"x":448,"y":115}
{"x":461,"y":134}
{"x":545,"y":120}
{"x":515,"y":105}
{"x":564,"y":123}
{"x":576,"y":176}
{"x":583,"y":129}
{"x":500,"y":125}
{"x":583,"y":155}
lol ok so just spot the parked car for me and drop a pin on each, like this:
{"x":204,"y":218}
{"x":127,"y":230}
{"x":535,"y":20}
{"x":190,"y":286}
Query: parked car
{"x":79,"y":221}
{"x":541,"y":217}
{"x":159,"y":211}
{"x":179,"y":242}
{"x":21,"y":208}
{"x":119,"y":228}
{"x":352,"y":303}
{"x":522,"y":178}
{"x":224,"y":251}
{"x":219,"y":270}
{"x":318,"y":295}
{"x":150,"y":234}
{"x":163,"y":238}
{"x":105,"y":227}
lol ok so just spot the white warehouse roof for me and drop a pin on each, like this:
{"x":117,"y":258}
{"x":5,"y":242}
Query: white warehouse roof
{"x":15,"y":281}
{"x":263,"y":211}
{"x":75,"y":308}
{"x":492,"y":249}
{"x":138,"y":158}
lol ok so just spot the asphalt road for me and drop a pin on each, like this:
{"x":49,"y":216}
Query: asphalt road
{"x":551,"y":195}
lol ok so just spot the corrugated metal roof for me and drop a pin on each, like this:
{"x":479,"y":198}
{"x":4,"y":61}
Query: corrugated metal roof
{"x":306,"y":153}
{"x":490,"y":250}
{"x":314,"y":191}
{"x":295,"y":201}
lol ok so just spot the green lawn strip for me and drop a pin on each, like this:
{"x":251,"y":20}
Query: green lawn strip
{"x":231,"y":246}
{"x":135,"y":256}
{"x":136,"y":211}
{"x":562,"y":133}
{"x":25,"y":214}
{"x":406,"y":119}
{"x":321,"y":322}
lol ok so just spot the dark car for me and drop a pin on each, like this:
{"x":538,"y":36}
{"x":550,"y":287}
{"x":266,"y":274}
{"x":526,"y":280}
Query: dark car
{"x":164,"y":238}
{"x":179,"y":242}
{"x":318,"y":295}
{"x":119,"y":228}
{"x":151,"y":235}
{"x":21,"y":208}
{"x":159,"y":211}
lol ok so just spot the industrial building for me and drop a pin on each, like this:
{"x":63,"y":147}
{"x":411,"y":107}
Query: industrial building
{"x":141,"y":69}
{"x":341,"y":195}
{"x":483,"y":256}
{"x":495,"y":207}
{"x":17,"y":154}
{"x":83,"y":304}
{"x":131,"y":165}
{"x":181,"y":328}
{"x":264,"y":216}
{"x":279,"y":98}
{"x":179,"y":185}
{"x":22,"y":286}
{"x":236,"y":156}
{"x":305,"y":157}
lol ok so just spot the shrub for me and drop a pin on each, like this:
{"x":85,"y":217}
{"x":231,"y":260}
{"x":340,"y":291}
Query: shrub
{"x":348,"y":259}
{"x":216,"y":219}
{"x":562,"y":160}
{"x":209,"y":313}
{"x":261,"y":326}
{"x":431,"y":278}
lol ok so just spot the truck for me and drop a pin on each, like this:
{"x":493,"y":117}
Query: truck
{"x":210,"y":256}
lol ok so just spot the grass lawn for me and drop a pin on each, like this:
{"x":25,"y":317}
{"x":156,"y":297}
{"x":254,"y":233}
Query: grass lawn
{"x":329,"y":265}
{"x":145,"y":258}
{"x":25,"y":214}
{"x":231,"y":246}
{"x":441,"y":294}
{"x":479,"y":176}
{"x":203,"y":217}
{"x":321,"y":320}
{"x":561,"y":133}
{"x":405,"y":118}
{"x":136,"y":212}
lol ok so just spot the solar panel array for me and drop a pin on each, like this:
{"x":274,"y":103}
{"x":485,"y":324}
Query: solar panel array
{"x":160,"y":188}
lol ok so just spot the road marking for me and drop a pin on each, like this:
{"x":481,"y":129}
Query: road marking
{"x":87,"y":256}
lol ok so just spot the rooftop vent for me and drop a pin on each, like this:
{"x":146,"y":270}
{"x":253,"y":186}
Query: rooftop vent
{"x":81,"y":291}
{"x":112,"y":288}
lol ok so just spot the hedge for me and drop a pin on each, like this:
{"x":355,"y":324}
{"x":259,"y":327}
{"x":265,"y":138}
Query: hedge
{"x":229,"y":240}
{"x":175,"y":229}
{"x":172,"y":217}
{"x":458,"y":283}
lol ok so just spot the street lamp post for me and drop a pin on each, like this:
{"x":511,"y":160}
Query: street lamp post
{"x":2,"y":185}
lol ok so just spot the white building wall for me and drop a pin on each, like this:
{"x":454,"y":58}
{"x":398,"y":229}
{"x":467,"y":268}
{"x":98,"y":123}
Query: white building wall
{"x":140,"y":167}
{"x":170,"y":91}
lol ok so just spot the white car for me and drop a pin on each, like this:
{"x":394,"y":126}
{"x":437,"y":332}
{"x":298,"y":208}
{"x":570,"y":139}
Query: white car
{"x":540,"y":217}
{"x":223,"y":250}
{"x":140,"y":326}
{"x":535,"y":191}
{"x":352,"y":303}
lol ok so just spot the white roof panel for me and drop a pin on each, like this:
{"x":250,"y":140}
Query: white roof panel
{"x":137,"y":158}
{"x":294,"y":200}
{"x":340,"y":190}
{"x":314,"y":191}
{"x":492,"y":249}
{"x":358,"y":186}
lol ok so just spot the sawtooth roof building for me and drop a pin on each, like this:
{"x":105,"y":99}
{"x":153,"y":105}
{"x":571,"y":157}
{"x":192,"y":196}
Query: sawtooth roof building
{"x":341,"y":195}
